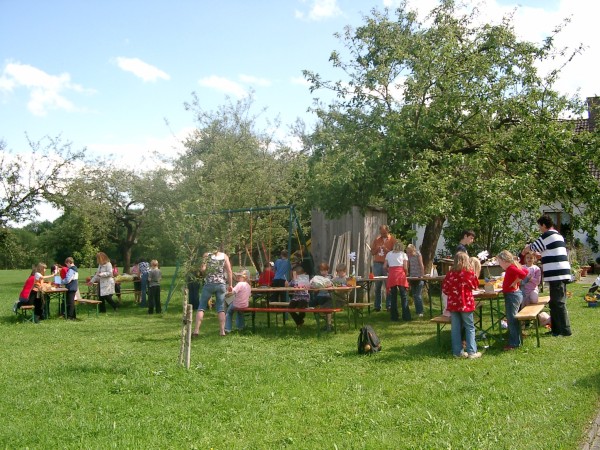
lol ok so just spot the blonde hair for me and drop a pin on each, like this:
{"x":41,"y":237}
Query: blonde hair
{"x":102,"y":258}
{"x":40,"y":267}
{"x":475,"y":265}
{"x":411,"y":248}
{"x":461,"y":262}
{"x":508,"y":257}
{"x":398,"y":246}
{"x":154,"y":263}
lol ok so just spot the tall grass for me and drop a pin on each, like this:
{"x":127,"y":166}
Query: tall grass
{"x":114,"y":382}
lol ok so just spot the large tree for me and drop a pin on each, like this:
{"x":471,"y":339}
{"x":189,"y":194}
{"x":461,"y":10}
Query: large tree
{"x":28,"y":178}
{"x":232,"y":162}
{"x":443,"y":120}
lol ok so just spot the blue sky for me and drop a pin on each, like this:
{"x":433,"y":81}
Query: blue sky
{"x":105,"y":74}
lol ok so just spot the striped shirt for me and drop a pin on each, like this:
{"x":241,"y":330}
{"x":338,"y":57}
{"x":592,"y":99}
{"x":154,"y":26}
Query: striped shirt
{"x":555,"y":262}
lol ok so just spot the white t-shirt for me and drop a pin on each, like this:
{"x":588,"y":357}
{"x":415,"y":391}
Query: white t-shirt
{"x":395,"y":259}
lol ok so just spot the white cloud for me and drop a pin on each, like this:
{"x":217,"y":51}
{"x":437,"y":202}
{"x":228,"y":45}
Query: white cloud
{"x":223,"y":85}
{"x":301,"y":81}
{"x":320,"y":10}
{"x":46,"y":92}
{"x":146,"y":154}
{"x":140,"y":69}
{"x":263,"y":82}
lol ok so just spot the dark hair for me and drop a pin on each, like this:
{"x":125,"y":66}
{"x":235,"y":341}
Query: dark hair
{"x":546,"y":221}
{"x":468,"y":233}
{"x":284,"y":253}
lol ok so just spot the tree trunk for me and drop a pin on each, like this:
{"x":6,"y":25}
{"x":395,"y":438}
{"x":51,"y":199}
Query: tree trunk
{"x":433,"y":231}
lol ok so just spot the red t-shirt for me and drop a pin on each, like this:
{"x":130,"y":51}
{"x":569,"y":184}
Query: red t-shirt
{"x":511,"y":273}
{"x":63,"y":272}
{"x":459,"y":286}
{"x":266,"y":277}
{"x":27,"y":287}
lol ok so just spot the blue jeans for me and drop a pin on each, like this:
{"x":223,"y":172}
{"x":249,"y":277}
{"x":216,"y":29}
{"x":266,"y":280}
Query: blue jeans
{"x":512,"y":303}
{"x":393,"y":296}
{"x":219,"y":289}
{"x":416,"y":288}
{"x":378,"y":271}
{"x":144,"y":279}
{"x":458,"y":321}
{"x":239,"y":318}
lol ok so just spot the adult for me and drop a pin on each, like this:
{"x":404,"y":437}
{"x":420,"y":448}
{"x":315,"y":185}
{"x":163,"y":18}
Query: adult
{"x":396,"y":264}
{"x":70,"y":281}
{"x":218,"y":279}
{"x":557,"y":272}
{"x":144,"y":268}
{"x":281,"y":278}
{"x":468,"y":236}
{"x":381,"y":246}
{"x":106,"y":282}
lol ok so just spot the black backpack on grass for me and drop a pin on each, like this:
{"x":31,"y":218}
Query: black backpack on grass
{"x":368,"y":341}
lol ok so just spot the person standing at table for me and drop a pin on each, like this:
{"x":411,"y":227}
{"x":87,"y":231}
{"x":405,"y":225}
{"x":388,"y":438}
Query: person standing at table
{"x":557,"y":272}
{"x":70,"y":281}
{"x":137,"y":281}
{"x":144,"y":269}
{"x":105,"y":280}
{"x":468,"y":236}
{"x":115,"y":275}
{"x":154,"y":277}
{"x":382,"y":244}
{"x":458,"y":285}
{"x":216,"y":268}
{"x":513,"y":296}
{"x":282,"y":275}
{"x":396,"y":264}
{"x":416,"y":269}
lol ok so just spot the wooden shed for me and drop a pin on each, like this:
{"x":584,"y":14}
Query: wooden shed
{"x":325,"y":233}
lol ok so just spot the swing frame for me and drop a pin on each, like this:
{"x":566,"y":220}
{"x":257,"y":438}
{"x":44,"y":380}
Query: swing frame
{"x":293,"y":224}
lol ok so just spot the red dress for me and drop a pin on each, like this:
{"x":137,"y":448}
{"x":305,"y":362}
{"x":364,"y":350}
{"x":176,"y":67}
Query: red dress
{"x":459,"y":286}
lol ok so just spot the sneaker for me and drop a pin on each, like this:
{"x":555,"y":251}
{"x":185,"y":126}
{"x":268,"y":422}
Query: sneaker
{"x":474,"y":355}
{"x":421,"y":316}
{"x":462,"y":355}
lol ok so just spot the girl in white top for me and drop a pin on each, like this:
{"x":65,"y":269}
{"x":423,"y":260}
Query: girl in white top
{"x":396,"y":263}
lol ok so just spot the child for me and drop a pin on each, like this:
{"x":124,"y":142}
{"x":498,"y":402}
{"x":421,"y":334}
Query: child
{"x":38,"y":291}
{"x":513,"y":297}
{"x":282,"y":273}
{"x":25,"y":297}
{"x":458,"y":285}
{"x":154,"y":277}
{"x":529,"y":285}
{"x":137,"y":281}
{"x":300,"y":298}
{"x":115,"y":275}
{"x":266,"y":276}
{"x":415,"y":269}
{"x":396,"y":264}
{"x":242,"y":295}
{"x":71,"y":283}
{"x":322,"y":297}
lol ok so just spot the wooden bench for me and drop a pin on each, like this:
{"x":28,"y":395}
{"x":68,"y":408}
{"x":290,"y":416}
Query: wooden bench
{"x":89,"y":302}
{"x":317,"y":312}
{"x":358,"y":309}
{"x":22,"y":312}
{"x":532,"y":312}
{"x":441,"y":321}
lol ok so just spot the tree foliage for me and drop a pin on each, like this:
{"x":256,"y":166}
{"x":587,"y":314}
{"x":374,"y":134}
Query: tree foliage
{"x":445,"y":120}
{"x":40,"y":175}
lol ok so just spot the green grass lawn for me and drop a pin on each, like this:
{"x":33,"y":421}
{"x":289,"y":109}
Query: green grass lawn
{"x":114,"y":382}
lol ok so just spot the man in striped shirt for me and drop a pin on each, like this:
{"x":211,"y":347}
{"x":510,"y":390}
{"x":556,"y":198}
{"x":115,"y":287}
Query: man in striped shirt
{"x":557,"y":272}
